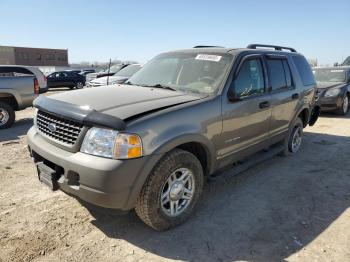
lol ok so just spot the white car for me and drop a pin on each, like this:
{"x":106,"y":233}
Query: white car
{"x":118,"y":78}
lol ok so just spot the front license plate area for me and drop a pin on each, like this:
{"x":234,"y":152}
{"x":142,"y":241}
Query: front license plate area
{"x":47,"y":175}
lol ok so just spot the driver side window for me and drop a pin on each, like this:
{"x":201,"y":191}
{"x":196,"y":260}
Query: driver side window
{"x":250,"y":79}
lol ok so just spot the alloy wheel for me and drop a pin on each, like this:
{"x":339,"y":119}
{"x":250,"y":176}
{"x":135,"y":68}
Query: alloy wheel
{"x":177,"y":192}
{"x":296,"y":140}
{"x":4,"y":116}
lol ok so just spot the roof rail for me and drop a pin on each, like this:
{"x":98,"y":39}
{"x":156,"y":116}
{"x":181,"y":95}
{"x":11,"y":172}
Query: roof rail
{"x":207,"y":46}
{"x":276,"y":47}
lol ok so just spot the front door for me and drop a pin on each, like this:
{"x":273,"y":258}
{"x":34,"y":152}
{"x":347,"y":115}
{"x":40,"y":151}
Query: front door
{"x":246,"y":121}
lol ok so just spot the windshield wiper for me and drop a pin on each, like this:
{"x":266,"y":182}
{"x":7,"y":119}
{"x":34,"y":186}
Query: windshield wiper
{"x":160,"y":86}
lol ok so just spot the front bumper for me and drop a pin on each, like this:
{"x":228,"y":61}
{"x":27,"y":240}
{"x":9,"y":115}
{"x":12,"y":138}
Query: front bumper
{"x":330,"y":103}
{"x":103,"y":182}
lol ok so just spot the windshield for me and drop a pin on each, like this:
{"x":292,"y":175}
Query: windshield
{"x":113,"y":69}
{"x":189,"y":72}
{"x":329,"y":75}
{"x":128,"y":71}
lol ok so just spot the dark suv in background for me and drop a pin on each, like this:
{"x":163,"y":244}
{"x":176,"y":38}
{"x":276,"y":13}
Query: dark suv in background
{"x":333,"y":88}
{"x":187,"y":114}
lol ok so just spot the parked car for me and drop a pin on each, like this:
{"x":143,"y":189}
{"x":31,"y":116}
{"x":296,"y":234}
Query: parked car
{"x":184,"y":116}
{"x":333,"y":88}
{"x":107,"y":72}
{"x":118,"y":78}
{"x":19,"y":86}
{"x":65,"y":79}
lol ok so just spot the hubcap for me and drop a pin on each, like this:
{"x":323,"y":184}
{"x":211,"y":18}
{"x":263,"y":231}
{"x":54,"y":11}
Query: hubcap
{"x":4,"y":116}
{"x":177,"y":192}
{"x":296,"y":140}
{"x":345,"y":104}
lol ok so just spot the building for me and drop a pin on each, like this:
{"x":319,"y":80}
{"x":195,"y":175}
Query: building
{"x":12,"y":55}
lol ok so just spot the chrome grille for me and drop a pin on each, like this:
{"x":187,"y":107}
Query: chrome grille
{"x":57,"y":128}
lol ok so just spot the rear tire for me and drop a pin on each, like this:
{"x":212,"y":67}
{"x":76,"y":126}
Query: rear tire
{"x":171,"y":191}
{"x":293,"y":141}
{"x":7,"y":115}
{"x":343,"y":110}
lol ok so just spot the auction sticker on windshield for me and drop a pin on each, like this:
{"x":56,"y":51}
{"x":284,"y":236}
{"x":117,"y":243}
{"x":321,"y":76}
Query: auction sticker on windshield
{"x":215,"y":58}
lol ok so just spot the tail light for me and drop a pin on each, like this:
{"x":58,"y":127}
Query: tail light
{"x":36,"y":86}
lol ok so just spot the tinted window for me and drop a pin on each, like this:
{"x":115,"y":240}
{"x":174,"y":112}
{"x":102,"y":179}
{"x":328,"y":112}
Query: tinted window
{"x":277,"y":76}
{"x":288,"y":73}
{"x":250,"y":79}
{"x":304,"y":70}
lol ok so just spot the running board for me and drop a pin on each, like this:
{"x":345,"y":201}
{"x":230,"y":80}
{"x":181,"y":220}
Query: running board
{"x":241,"y":166}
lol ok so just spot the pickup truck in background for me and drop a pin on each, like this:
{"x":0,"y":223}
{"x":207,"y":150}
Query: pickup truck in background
{"x":19,"y":86}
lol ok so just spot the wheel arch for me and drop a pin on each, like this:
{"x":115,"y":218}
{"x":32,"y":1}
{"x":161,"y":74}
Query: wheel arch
{"x":198,"y":145}
{"x":10,"y":99}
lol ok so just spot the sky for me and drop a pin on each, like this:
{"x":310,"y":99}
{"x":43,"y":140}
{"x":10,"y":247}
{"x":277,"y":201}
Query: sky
{"x":96,"y":30}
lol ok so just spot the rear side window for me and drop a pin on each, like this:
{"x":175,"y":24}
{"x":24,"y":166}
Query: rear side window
{"x":277,"y":76}
{"x":304,"y":70}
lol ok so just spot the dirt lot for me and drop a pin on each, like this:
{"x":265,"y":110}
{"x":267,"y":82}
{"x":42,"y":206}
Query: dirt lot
{"x":292,"y":209}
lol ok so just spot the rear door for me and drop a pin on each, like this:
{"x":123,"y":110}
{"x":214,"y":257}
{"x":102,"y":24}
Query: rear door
{"x":246,"y":121}
{"x":284,"y":95}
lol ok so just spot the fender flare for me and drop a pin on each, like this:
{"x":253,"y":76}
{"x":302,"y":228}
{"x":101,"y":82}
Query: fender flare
{"x":191,"y":138}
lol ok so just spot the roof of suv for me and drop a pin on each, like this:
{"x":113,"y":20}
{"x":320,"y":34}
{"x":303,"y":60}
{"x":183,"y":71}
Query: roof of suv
{"x":218,"y":50}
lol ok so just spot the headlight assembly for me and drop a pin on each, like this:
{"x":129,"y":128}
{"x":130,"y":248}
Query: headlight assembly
{"x":332,"y":92}
{"x":111,"y":144}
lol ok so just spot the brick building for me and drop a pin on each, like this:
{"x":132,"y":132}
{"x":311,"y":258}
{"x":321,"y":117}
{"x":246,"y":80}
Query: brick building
{"x":12,"y":55}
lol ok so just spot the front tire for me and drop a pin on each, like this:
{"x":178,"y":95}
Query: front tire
{"x":293,"y":141}
{"x":171,"y":191}
{"x":7,"y":115}
{"x":79,"y":85}
{"x":343,"y":110}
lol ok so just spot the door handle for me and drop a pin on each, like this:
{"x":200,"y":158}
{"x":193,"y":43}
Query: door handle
{"x":264,"y":104}
{"x":295,"y":96}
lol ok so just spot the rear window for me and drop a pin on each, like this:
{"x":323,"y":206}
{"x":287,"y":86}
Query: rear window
{"x":304,"y":70}
{"x":14,"y":71}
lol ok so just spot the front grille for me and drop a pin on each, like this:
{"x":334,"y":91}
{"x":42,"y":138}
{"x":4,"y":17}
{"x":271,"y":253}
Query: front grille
{"x":57,"y":128}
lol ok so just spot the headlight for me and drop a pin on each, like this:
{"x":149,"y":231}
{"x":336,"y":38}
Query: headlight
{"x":332,"y":92}
{"x":111,"y":144}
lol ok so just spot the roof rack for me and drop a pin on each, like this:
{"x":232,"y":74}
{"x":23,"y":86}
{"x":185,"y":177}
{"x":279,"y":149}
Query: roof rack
{"x":207,"y":46}
{"x":276,"y":47}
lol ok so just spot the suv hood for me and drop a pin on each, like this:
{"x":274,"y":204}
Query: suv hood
{"x":324,"y":85}
{"x":124,"y":101}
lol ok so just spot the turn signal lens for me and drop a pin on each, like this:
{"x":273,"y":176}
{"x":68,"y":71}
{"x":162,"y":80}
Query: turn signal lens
{"x":127,"y":146}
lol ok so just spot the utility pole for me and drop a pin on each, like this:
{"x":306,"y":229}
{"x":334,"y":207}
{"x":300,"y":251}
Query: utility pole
{"x":109,"y":68}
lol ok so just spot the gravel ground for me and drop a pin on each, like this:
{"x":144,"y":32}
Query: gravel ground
{"x":285,"y":209}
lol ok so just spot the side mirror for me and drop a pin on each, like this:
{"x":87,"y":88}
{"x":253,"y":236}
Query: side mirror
{"x":231,"y":95}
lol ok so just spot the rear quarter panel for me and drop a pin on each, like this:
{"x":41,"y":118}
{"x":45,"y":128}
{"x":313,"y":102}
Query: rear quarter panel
{"x":21,"y":87}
